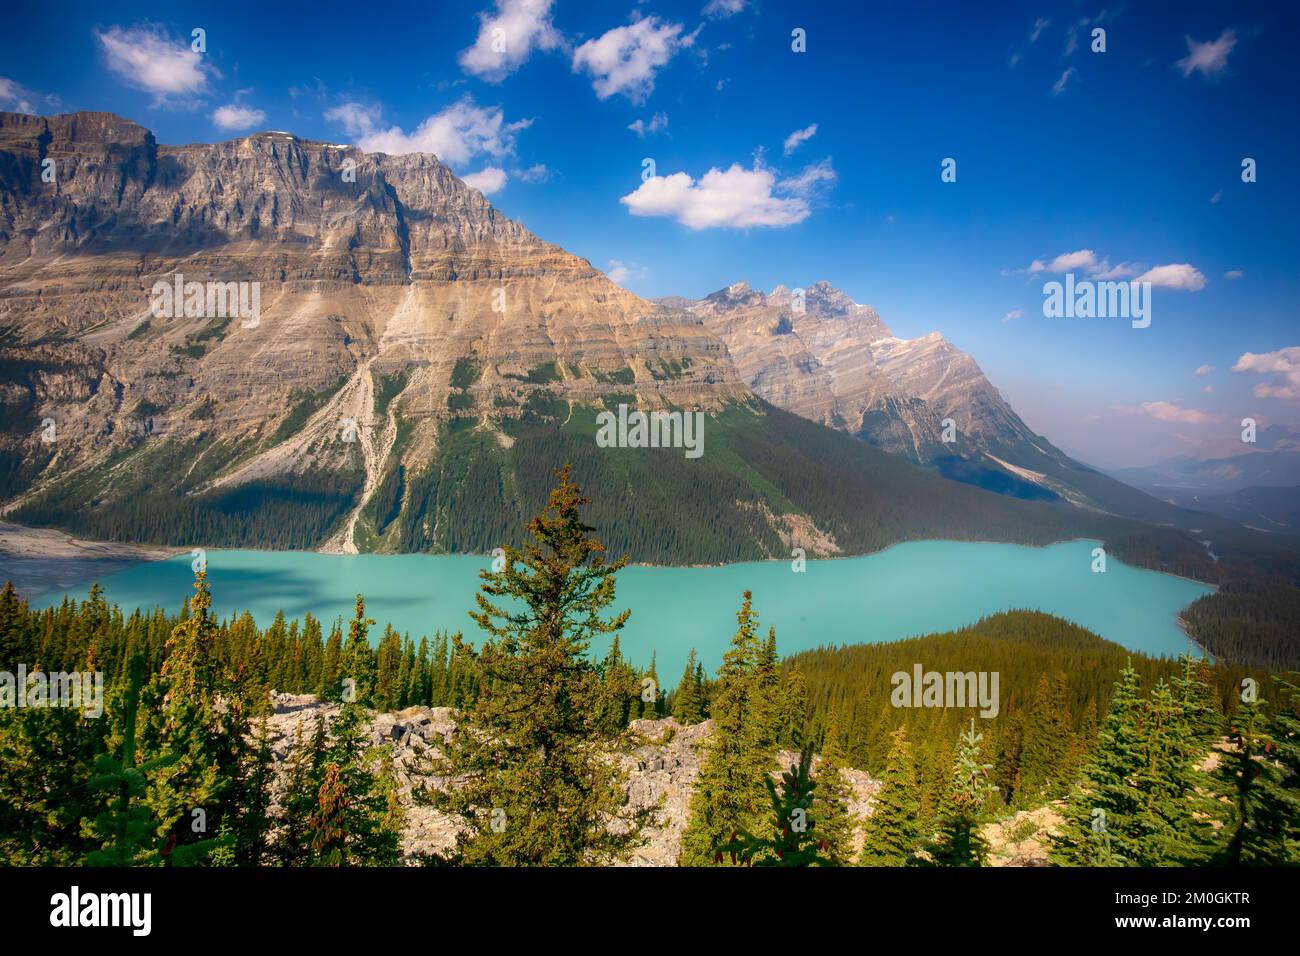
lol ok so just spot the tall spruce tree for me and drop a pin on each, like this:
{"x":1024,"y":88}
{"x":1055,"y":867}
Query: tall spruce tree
{"x":1103,"y":825}
{"x":792,"y":836}
{"x":537,"y":787}
{"x":960,"y":842}
{"x":688,"y":700}
{"x":835,"y":824}
{"x":729,"y":794}
{"x":1261,"y":801}
{"x":892,"y":833}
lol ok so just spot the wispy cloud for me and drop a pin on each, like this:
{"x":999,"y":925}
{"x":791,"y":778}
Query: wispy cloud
{"x":812,"y":180}
{"x":1013,"y":315}
{"x":1174,"y":276}
{"x":15,"y":98}
{"x":1208,"y":59}
{"x":147,"y":58}
{"x":798,"y":138}
{"x":1282,"y":367}
{"x":1203,"y":370}
{"x":621,"y":272}
{"x":1059,"y":86}
{"x":721,"y":9}
{"x":658,"y":123}
{"x":1169,"y":412}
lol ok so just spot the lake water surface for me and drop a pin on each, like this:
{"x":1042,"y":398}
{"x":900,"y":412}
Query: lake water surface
{"x":910,"y":589}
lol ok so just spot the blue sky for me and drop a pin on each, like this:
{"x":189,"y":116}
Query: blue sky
{"x":1119,"y":162}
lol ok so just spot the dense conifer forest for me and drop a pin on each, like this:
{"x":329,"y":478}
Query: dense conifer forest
{"x":1183,"y":762}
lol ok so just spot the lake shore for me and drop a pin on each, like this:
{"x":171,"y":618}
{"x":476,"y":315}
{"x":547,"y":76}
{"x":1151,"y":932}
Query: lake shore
{"x":39,"y":560}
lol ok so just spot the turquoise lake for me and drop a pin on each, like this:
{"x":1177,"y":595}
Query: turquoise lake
{"x":910,"y":589}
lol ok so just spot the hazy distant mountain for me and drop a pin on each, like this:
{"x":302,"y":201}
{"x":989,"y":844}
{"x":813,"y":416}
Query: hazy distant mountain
{"x":1224,"y":466}
{"x":836,"y":362}
{"x":418,"y":365}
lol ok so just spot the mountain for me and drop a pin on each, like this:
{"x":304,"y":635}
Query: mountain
{"x":833,"y":361}
{"x":1223,"y":467}
{"x":412,"y":364}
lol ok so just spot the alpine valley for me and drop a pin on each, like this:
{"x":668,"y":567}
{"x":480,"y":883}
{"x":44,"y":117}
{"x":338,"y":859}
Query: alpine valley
{"x":420,"y":364}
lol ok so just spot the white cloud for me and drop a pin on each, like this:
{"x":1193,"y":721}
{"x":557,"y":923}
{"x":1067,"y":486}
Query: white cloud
{"x":455,"y":135}
{"x":799,"y":137}
{"x":146,"y":58}
{"x":721,"y":9}
{"x":1216,"y":197}
{"x":1169,"y":412}
{"x":14,"y":97}
{"x":533,"y":174}
{"x":1059,"y":86}
{"x":1209,"y":58}
{"x":488,"y":180}
{"x":234,"y":116}
{"x":1125,"y":270}
{"x":508,"y":37}
{"x":1067,"y":262}
{"x":620,"y":271}
{"x":1233,"y":274}
{"x":735,"y":198}
{"x":1040,"y":25}
{"x":1204,"y":370}
{"x":357,"y":118}
{"x":1013,"y":315}
{"x":658,"y":123}
{"x":624,"y":60}
{"x":812,"y":179}
{"x":1208,"y":388}
{"x":1175,"y":276}
{"x":1284,"y":367}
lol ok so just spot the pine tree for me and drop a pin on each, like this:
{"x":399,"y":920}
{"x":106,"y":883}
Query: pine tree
{"x":688,"y":702}
{"x":960,"y":842}
{"x":125,"y":830}
{"x":352,"y":823}
{"x":1284,"y":732}
{"x":729,"y":794}
{"x":1046,"y":737}
{"x":1262,"y":801}
{"x":304,"y":774}
{"x":835,"y":824}
{"x":795,"y":839}
{"x":537,"y":788}
{"x":1175,"y":814}
{"x":892,"y":833}
{"x":1102,"y":825}
{"x":204,"y":741}
{"x":358,"y":661}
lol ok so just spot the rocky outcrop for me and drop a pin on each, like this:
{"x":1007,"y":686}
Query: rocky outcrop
{"x":661,"y":766}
